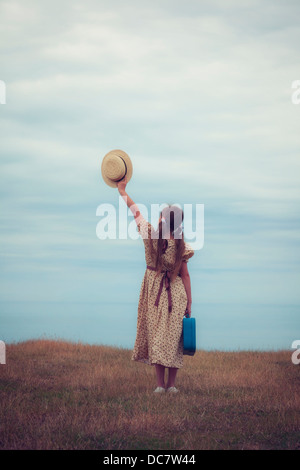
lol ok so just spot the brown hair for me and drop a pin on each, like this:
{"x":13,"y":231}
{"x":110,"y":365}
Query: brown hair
{"x":171,"y":223}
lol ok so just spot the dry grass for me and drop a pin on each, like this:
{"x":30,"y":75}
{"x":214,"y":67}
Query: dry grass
{"x":59,"y":395}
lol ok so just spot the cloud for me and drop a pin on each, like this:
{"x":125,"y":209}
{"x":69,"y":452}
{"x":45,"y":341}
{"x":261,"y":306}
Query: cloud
{"x":198,"y":95}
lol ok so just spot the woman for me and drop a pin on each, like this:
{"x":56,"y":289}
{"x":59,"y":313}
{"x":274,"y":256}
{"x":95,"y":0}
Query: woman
{"x":165,"y":295}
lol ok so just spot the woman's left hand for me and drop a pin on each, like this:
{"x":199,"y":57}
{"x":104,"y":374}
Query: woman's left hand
{"x":188,"y":311}
{"x":122,"y":184}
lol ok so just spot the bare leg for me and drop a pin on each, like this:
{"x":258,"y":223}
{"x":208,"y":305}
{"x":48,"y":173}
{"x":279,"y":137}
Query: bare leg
{"x":172,"y":376}
{"x":160,"y":375}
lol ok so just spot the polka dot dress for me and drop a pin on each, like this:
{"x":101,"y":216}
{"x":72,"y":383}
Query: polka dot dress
{"x":159,"y":332}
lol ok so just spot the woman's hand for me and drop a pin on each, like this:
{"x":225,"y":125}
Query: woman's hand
{"x":122,"y":184}
{"x":188,"y":310}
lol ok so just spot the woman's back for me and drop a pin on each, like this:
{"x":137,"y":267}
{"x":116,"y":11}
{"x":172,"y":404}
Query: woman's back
{"x":169,"y":254}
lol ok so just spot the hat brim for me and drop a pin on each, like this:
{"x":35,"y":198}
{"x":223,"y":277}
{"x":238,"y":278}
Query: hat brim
{"x":126,"y":158}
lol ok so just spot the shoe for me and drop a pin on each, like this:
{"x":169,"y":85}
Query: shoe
{"x":159,"y":390}
{"x":172,"y":390}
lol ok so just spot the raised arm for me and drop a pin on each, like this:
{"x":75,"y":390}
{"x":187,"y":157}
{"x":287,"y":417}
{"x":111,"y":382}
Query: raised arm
{"x":130,"y":203}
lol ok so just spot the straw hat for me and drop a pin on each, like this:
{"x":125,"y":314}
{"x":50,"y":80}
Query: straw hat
{"x":116,"y":164}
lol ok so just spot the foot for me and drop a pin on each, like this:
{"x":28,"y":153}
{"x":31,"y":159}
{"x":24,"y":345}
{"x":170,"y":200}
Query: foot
{"x":172,"y":390}
{"x":159,"y":390}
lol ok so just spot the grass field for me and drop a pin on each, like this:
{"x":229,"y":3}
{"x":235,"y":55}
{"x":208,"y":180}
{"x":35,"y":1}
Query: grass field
{"x":60,"y":395}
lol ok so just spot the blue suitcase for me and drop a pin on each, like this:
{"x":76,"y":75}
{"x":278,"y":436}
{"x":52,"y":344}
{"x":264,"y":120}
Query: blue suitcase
{"x":189,"y":335}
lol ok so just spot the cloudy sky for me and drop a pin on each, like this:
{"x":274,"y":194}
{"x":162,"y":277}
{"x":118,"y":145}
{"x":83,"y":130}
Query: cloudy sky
{"x":198,"y":93}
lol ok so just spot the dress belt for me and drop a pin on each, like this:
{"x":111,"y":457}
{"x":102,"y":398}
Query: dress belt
{"x":166,"y":278}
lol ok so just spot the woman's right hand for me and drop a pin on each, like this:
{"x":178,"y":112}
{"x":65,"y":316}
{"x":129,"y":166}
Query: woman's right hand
{"x":122,"y":184}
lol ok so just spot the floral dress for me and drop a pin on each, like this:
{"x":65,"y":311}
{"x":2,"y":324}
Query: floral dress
{"x":159,"y":330}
